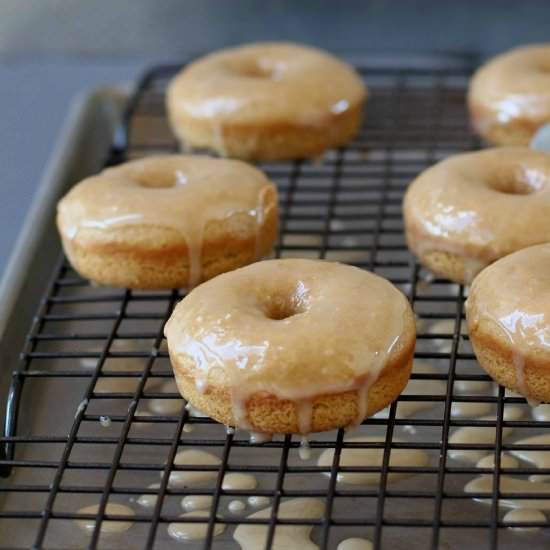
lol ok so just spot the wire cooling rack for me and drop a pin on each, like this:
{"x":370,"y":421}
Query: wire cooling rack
{"x":93,"y":416}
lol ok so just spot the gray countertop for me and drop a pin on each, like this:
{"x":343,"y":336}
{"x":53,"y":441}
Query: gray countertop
{"x":50,"y":50}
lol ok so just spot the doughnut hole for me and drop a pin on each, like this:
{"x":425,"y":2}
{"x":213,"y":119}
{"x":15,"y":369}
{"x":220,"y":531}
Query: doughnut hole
{"x":525,"y":182}
{"x":542,"y":65}
{"x":285,"y":303}
{"x":159,"y":178}
{"x":258,"y":68}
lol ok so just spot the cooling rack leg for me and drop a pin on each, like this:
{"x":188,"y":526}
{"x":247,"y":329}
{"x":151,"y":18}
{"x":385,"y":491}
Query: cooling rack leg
{"x":12,"y":408}
{"x":5,"y":469}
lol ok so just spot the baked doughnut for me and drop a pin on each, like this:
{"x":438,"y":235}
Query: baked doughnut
{"x":168,"y":221}
{"x":508,"y":315}
{"x":509,"y":97}
{"x":292,"y":346}
{"x":269,"y":101}
{"x":471,"y":209}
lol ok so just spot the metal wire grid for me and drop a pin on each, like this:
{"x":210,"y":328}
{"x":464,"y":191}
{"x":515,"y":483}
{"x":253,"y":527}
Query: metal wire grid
{"x":99,"y":354}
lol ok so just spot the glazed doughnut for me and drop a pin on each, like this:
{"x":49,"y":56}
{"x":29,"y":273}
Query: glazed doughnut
{"x":168,"y":221}
{"x":508,"y":314}
{"x":509,"y":97}
{"x":471,"y":209}
{"x":292,"y":346}
{"x":270,"y":101}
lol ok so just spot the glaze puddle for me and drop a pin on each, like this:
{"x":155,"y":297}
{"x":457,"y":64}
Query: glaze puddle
{"x":466,"y":387}
{"x":484,"y":484}
{"x":149,"y":500}
{"x":257,"y":501}
{"x":286,"y":537}
{"x":506,"y":461}
{"x":193,"y":457}
{"x":236,"y":506}
{"x":107,"y":527}
{"x":355,"y":543}
{"x":444,"y":326}
{"x":239,"y":481}
{"x":469,"y":409}
{"x":483,"y":435}
{"x":418,"y":387}
{"x":165,"y":407}
{"x":413,"y":458}
{"x":541,"y":413}
{"x":529,"y":515}
{"x":541,"y":459}
{"x":190,"y":503}
{"x":193,"y":531}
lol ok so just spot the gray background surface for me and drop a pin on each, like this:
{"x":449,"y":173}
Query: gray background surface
{"x":50,"y":50}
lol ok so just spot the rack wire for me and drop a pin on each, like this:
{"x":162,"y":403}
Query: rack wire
{"x":93,"y":417}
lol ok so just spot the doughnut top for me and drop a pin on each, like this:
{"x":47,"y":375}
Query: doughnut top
{"x":513,"y":296}
{"x":267,"y":83}
{"x":481,"y":205}
{"x":292,"y":328}
{"x":179,"y":192}
{"x":515,"y":84}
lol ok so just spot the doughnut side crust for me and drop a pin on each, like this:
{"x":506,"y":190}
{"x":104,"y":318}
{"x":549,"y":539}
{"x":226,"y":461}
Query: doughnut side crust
{"x":497,"y":357}
{"x":269,"y":414}
{"x":268,"y":142}
{"x":444,"y":264}
{"x":518,"y":131}
{"x":156,"y":257}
